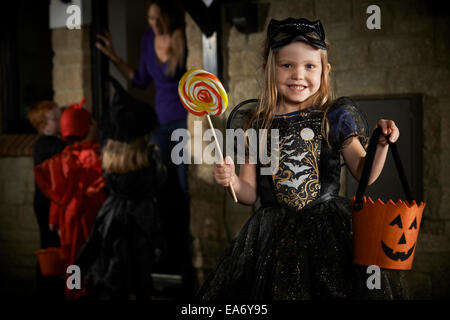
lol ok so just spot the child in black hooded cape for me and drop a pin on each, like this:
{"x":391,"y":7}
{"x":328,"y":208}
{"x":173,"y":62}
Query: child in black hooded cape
{"x":116,"y":261}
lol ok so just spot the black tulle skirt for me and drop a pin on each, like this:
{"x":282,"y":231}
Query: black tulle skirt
{"x":282,"y":254}
{"x":123,"y":245}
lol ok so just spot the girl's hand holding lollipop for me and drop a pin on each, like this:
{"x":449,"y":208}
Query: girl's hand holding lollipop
{"x":202,"y":93}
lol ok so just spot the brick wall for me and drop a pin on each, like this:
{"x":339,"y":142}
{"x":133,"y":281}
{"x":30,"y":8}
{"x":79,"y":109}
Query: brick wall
{"x":409,"y":54}
{"x":207,"y":198}
{"x":19,"y":233}
{"x":72,"y":66}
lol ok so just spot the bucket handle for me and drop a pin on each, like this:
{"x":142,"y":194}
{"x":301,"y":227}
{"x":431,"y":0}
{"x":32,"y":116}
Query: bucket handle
{"x":364,"y":180}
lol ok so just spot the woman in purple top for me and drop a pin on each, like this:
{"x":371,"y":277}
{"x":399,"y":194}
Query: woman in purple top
{"x":163,"y":61}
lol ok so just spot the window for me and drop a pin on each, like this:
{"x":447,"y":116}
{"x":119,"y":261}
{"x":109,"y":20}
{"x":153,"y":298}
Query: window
{"x":25,"y":62}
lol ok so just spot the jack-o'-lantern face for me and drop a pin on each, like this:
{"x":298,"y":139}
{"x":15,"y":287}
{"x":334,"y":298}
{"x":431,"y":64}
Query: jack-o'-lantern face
{"x":403,"y":249}
{"x":385,"y":234}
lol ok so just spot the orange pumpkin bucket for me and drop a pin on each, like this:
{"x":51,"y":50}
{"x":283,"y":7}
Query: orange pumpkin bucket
{"x":51,"y":261}
{"x":385,"y":234}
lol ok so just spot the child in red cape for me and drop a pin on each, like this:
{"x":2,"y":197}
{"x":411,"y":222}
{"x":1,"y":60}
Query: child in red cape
{"x":73,"y":181}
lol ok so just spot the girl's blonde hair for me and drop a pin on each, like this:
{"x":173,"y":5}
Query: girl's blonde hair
{"x":122,"y":157}
{"x":269,"y":98}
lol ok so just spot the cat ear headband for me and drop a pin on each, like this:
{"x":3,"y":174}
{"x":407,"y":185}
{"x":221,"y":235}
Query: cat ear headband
{"x":282,"y":33}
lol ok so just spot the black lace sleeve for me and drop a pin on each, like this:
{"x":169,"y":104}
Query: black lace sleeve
{"x":241,"y":114}
{"x":239,"y":138}
{"x":347,"y":120}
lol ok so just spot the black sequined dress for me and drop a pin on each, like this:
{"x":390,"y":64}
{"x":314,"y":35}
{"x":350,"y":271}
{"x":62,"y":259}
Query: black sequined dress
{"x":298,"y":243}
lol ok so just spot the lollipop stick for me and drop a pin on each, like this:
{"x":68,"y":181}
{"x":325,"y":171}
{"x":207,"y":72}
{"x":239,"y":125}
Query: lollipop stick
{"x":221,"y":155}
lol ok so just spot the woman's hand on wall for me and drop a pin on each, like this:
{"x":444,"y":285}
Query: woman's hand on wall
{"x":108,"y":47}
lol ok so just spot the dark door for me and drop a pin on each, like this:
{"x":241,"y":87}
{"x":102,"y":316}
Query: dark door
{"x":406,"y":111}
{"x":100,"y":66}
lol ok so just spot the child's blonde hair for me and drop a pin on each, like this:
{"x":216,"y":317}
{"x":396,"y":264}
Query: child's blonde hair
{"x":122,"y":157}
{"x":37,"y":114}
{"x":269,"y":97}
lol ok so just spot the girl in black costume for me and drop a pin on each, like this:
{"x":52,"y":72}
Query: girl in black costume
{"x":116,"y":261}
{"x":297,"y":245}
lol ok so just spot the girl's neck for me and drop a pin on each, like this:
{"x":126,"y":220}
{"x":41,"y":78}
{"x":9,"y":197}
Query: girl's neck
{"x":284,"y":108}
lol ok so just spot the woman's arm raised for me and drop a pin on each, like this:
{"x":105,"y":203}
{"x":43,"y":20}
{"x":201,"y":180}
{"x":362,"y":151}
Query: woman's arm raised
{"x":108,"y":50}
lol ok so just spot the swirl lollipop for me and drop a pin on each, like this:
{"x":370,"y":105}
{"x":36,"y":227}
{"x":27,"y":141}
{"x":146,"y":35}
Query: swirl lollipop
{"x":202,"y":93}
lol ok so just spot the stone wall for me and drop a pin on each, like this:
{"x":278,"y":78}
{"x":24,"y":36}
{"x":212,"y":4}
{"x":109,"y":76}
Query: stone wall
{"x":409,"y":54}
{"x":19,"y":233}
{"x":207,"y":198}
{"x":72,"y":66}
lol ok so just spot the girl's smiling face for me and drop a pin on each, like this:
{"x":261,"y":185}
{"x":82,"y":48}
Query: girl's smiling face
{"x":298,"y":72}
